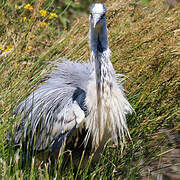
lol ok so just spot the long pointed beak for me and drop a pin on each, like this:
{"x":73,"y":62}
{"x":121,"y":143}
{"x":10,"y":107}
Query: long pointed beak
{"x":96,"y":19}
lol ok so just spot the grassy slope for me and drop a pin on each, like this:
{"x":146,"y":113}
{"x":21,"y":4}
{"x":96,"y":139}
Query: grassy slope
{"x":144,"y":40}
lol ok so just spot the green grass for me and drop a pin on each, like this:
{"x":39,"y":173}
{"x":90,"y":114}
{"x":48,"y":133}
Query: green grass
{"x":144,"y":39}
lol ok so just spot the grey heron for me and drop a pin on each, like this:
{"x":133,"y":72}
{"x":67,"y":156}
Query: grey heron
{"x":77,"y":96}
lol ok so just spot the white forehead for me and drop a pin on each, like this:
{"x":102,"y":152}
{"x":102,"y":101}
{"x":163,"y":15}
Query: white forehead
{"x":98,"y":8}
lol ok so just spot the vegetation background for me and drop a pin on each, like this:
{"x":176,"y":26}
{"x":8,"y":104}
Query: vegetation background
{"x":144,"y":37}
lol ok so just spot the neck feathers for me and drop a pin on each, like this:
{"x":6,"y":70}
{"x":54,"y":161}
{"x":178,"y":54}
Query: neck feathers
{"x":100,"y":55}
{"x":109,"y":106}
{"x":105,"y":77}
{"x":98,"y":39}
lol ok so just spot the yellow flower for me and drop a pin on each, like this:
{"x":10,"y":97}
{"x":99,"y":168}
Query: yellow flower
{"x":43,"y":13}
{"x":16,"y":6}
{"x":70,"y":38}
{"x":8,"y":48}
{"x":1,"y":47}
{"x":43,"y":24}
{"x":29,"y":48}
{"x":25,"y":18}
{"x":53,"y":15}
{"x":28,"y":6}
{"x":148,"y":128}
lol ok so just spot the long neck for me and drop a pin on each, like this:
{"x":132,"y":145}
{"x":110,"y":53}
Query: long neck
{"x":100,"y":56}
{"x":98,"y":39}
{"x":104,"y":73}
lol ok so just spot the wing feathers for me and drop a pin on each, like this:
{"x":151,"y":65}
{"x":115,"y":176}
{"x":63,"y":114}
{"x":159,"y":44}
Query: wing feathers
{"x":52,"y":109}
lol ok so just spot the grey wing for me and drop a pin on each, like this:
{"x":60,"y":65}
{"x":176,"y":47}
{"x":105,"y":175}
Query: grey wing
{"x":56,"y":107}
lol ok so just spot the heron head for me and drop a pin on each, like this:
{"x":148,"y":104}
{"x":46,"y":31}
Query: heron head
{"x":97,"y":15}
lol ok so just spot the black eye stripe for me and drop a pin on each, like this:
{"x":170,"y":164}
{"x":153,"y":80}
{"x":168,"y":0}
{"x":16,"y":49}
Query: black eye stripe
{"x":102,"y":16}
